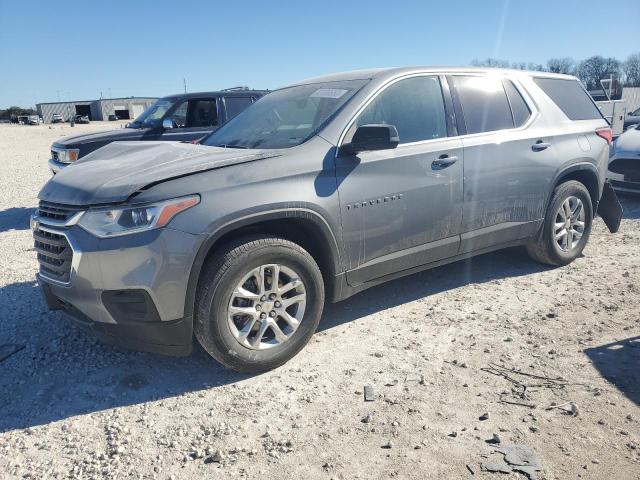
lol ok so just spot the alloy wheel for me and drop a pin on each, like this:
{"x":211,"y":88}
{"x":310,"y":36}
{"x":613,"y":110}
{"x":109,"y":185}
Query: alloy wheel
{"x":267,"y":306}
{"x":569,"y":224}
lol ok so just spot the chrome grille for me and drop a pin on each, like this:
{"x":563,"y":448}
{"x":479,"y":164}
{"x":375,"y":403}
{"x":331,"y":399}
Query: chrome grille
{"x":56,"y":211}
{"x":54,"y":254}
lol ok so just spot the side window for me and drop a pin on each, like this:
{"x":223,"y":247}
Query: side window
{"x":235,"y":105}
{"x":179,"y":115}
{"x":519,"y":108}
{"x":570,"y":97}
{"x":203,"y":113}
{"x":415,"y":106}
{"x":484,"y":103}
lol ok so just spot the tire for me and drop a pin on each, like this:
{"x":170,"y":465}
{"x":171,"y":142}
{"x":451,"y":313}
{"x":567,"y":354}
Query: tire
{"x":545,"y":249}
{"x":220,"y":333}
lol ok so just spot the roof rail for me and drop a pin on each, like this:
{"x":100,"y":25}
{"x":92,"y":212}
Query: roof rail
{"x":235,"y":88}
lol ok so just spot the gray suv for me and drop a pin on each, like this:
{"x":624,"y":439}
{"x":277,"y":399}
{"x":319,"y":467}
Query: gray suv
{"x":317,"y":191}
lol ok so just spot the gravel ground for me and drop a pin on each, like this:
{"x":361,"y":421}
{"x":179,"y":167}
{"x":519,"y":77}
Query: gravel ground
{"x":445,"y":351}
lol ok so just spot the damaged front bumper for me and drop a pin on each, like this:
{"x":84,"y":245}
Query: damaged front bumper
{"x":128,"y":291}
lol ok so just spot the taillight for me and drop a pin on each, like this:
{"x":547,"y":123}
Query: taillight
{"x":605,"y":133}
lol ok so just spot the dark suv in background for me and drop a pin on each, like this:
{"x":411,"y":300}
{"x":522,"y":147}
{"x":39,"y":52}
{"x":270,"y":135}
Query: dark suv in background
{"x":185,"y":117}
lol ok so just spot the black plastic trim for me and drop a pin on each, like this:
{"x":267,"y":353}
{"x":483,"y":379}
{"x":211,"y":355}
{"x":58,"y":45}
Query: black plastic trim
{"x":610,"y":208}
{"x":131,"y":305}
{"x":457,"y":106}
{"x":452,"y":124}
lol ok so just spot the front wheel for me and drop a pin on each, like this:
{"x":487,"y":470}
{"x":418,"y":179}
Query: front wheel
{"x":567,"y":225}
{"x":259,"y":301}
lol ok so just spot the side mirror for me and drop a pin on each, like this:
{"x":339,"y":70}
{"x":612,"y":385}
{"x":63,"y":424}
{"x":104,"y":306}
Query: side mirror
{"x":167,"y":124}
{"x":373,"y":137}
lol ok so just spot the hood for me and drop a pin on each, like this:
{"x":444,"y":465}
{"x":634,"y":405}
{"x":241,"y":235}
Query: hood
{"x":629,"y":143}
{"x":108,"y":136}
{"x":115,"y":172}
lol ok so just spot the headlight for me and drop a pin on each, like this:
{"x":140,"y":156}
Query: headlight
{"x":69,"y":155}
{"x":113,"y":222}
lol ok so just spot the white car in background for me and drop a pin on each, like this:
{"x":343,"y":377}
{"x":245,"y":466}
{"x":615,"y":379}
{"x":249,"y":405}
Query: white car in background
{"x":624,"y":161}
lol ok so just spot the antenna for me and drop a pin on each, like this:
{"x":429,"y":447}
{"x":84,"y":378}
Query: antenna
{"x":184,"y":83}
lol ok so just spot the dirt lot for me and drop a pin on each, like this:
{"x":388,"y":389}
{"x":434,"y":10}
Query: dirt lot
{"x":441,"y":349}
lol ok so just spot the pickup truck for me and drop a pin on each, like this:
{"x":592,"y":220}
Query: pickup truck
{"x":183,"y":117}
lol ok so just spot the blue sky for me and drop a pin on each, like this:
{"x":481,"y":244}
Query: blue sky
{"x":75,"y":50}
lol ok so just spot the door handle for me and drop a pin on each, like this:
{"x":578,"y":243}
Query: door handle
{"x":443,"y":161}
{"x":540,"y":145}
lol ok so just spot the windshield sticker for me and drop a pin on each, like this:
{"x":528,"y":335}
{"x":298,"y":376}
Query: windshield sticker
{"x":328,"y":93}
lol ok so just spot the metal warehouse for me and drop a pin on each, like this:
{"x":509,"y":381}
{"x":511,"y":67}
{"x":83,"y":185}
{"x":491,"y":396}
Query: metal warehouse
{"x":124,"y":108}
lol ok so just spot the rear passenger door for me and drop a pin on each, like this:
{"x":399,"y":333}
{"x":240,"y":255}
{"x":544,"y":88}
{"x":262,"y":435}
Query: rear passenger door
{"x":508,"y":161}
{"x":401,"y":208}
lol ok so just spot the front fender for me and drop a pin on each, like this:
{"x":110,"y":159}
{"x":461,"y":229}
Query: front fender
{"x":246,"y":218}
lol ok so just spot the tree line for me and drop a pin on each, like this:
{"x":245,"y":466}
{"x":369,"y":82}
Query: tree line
{"x":590,"y":70}
{"x":13,"y":112}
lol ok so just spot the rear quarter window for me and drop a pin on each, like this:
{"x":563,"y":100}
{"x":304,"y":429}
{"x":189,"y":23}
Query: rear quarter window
{"x":570,"y":97}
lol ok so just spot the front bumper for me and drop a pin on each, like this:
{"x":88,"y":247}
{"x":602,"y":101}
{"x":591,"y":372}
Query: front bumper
{"x":166,"y":338}
{"x":624,"y":183}
{"x":56,"y":166}
{"x":624,"y":171}
{"x":130,"y":290}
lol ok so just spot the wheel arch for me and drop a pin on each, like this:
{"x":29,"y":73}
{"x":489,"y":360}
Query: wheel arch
{"x":305,"y":227}
{"x":585,"y":173}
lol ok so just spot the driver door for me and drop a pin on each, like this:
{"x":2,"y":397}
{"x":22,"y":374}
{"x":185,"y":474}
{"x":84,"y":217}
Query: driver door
{"x":402,"y":207}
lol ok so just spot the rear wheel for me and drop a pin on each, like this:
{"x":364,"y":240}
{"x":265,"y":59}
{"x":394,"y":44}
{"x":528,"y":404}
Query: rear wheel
{"x":567,"y":225}
{"x":259,"y":301}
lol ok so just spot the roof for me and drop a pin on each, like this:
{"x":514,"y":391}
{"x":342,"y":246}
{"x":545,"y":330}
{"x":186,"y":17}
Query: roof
{"x":376,"y":73}
{"x":219,"y":93}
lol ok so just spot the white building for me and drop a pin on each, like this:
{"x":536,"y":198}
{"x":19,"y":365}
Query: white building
{"x":124,"y":108}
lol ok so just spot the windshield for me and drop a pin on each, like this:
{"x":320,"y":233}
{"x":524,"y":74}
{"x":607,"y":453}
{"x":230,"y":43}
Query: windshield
{"x":152,"y":116}
{"x":285,"y":118}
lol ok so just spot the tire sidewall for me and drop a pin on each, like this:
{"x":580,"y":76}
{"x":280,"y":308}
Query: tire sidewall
{"x":564,"y":191}
{"x":219,"y":332}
